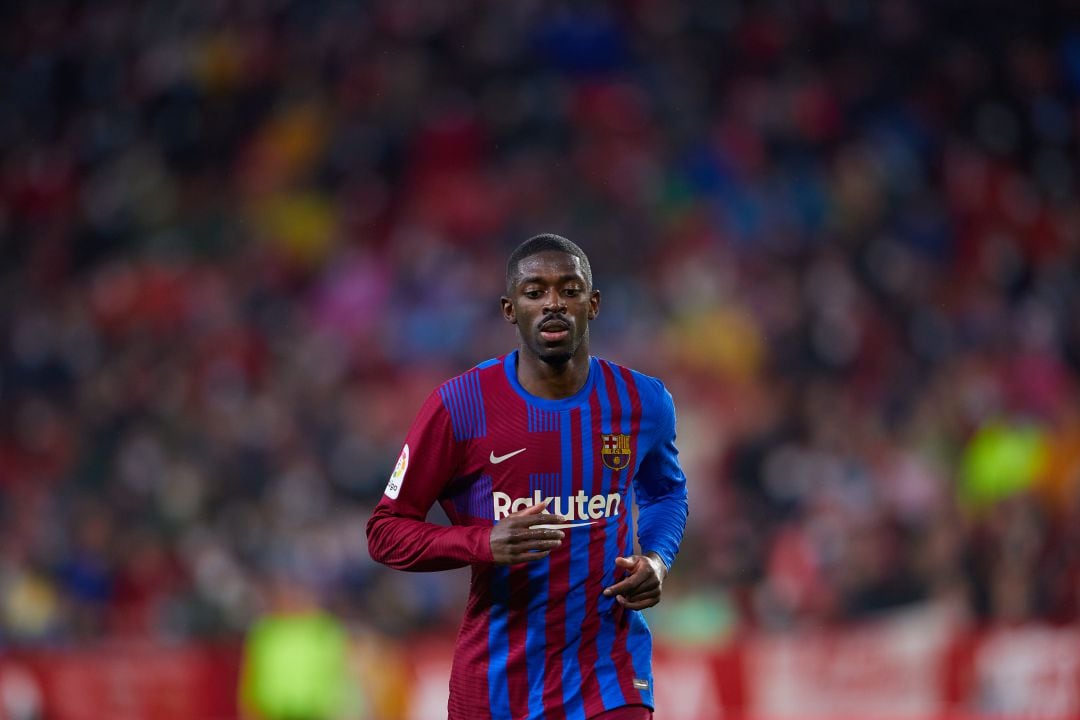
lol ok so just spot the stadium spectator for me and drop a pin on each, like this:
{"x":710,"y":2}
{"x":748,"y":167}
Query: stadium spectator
{"x":233,"y":237}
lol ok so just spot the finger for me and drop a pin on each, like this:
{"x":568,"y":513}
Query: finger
{"x":531,"y":555}
{"x":545,"y":519}
{"x":520,"y":540}
{"x":639,"y":603}
{"x":527,"y":521}
{"x":649,"y":585}
{"x":522,"y":554}
{"x":526,"y":536}
{"x":636,"y":574}
{"x":531,"y":510}
{"x":535,"y":545}
{"x":628,"y":585}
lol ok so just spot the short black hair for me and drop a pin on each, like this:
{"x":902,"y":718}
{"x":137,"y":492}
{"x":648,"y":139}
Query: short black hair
{"x":543,"y":243}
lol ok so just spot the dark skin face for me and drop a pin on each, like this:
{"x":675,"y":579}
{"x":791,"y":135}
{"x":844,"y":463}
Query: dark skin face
{"x":551,"y":303}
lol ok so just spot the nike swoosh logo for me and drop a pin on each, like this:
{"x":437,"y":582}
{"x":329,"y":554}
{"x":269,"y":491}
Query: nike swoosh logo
{"x":496,"y":459}
{"x":563,"y":526}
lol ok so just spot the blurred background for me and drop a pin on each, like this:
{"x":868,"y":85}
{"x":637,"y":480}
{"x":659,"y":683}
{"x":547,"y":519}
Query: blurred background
{"x":241,"y":240}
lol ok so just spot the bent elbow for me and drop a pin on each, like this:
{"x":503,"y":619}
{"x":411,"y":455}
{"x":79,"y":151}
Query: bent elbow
{"x":378,"y":548}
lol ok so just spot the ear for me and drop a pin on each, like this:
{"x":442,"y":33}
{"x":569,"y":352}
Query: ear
{"x":508,"y":310}
{"x":594,"y":304}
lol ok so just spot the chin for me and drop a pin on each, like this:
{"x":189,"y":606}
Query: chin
{"x":555,"y":357}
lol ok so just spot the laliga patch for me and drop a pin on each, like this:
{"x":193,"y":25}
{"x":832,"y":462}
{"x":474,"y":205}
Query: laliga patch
{"x":641,"y":684}
{"x":394,"y":486}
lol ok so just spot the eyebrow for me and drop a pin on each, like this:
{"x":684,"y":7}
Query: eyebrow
{"x":562,"y":278}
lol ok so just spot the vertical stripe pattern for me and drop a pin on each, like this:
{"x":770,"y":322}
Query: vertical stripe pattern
{"x":548,"y":484}
{"x":624,"y":542}
{"x":542,"y":420}
{"x":462,"y":399}
{"x":575,"y":599}
{"x":498,"y":644}
{"x":480,"y":504}
{"x":612,"y":675}
{"x":638,"y":641}
{"x":559,"y":579}
{"x":517,"y":668}
{"x":588,"y":652}
{"x":535,"y":635}
{"x":549,"y":645}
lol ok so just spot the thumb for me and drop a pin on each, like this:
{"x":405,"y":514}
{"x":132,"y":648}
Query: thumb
{"x":531,"y":510}
{"x":625,"y":562}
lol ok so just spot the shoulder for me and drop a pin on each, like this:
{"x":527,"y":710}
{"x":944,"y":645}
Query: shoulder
{"x":469,"y":381}
{"x":461,"y":386}
{"x":651,"y":390}
{"x":462,"y":397}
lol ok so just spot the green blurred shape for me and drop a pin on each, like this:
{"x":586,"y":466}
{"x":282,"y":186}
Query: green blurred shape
{"x":296,"y":666}
{"x":702,"y":618}
{"x":1001,"y":460}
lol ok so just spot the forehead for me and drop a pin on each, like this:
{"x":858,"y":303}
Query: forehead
{"x":550,"y":265}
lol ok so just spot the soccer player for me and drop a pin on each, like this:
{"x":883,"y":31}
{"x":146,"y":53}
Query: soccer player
{"x":533,"y":456}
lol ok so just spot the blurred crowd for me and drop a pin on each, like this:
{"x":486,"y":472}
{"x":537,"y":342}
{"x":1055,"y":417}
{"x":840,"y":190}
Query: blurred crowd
{"x":241,"y":240}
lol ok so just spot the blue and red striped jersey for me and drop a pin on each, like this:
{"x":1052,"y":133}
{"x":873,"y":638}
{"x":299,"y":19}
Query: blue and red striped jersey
{"x":539,"y":639}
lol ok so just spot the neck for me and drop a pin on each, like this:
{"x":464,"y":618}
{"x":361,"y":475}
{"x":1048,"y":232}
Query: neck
{"x":553,"y":381}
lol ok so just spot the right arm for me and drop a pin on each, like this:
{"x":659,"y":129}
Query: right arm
{"x":398,"y":533}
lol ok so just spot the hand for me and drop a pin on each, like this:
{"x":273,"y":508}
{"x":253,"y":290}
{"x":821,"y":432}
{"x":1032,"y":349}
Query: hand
{"x":514,"y":540}
{"x":640,"y":588}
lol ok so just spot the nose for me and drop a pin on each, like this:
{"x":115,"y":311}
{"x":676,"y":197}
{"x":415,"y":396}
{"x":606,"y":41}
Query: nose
{"x":554,"y":302}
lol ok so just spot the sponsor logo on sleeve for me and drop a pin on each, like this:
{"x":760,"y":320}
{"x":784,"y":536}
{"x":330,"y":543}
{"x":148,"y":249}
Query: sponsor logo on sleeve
{"x":398,"y":476}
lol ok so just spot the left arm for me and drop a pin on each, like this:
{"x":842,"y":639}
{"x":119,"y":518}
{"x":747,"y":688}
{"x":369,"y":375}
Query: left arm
{"x":660,"y":489}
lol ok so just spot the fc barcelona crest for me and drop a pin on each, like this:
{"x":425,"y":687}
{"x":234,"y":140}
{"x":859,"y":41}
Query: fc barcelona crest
{"x":615,"y":451}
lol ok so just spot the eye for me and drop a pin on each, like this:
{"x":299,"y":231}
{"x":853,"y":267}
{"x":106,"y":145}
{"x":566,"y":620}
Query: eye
{"x":572,"y":292}
{"x":532,"y":294}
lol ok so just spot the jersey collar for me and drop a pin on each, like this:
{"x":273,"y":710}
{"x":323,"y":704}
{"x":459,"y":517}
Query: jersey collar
{"x":510,"y":365}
